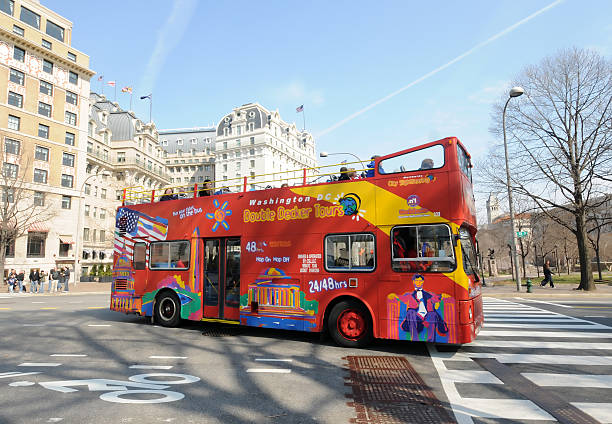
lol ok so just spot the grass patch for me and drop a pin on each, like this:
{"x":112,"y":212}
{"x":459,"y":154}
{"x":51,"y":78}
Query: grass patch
{"x":573,"y":278}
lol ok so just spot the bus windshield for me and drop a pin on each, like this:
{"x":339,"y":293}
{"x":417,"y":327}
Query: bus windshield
{"x":468,"y":251}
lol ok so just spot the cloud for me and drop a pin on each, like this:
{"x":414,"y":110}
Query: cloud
{"x":297,"y":93}
{"x":168,"y":36}
{"x":490,"y":93}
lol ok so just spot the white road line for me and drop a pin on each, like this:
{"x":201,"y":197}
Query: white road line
{"x":151,"y":367}
{"x":521,"y":319}
{"x":38,"y":302}
{"x":570,"y":380}
{"x":168,"y":357}
{"x":510,"y":409}
{"x":531,"y":315}
{"x":40,"y":364}
{"x":594,"y":316}
{"x":79,"y":301}
{"x":471,"y":376}
{"x":98,"y":325}
{"x":269,"y":370}
{"x":273,"y":360}
{"x":553,"y":334}
{"x":602,"y":412}
{"x":536,"y":344}
{"x":16,"y":374}
{"x":34,"y":325}
{"x":518,"y":358}
{"x":544,"y":326}
{"x":548,"y":303}
{"x":75,"y":355}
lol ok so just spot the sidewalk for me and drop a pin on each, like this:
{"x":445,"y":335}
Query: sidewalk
{"x":80,"y":288}
{"x":494,"y":289}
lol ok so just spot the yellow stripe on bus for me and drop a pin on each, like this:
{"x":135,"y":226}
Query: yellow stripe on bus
{"x":224,"y":321}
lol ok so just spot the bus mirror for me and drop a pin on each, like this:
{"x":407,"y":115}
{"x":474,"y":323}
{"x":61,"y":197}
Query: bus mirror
{"x":455,"y":238}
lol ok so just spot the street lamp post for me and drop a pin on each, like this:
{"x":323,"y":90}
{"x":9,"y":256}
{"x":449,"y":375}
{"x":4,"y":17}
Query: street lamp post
{"x":514,"y":92}
{"x":77,"y":245}
{"x":326,"y":154}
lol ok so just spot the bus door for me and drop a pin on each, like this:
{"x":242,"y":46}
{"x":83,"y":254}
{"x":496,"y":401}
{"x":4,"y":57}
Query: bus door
{"x":221,"y":278}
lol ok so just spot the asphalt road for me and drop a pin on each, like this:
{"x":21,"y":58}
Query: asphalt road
{"x":122,"y":362}
{"x":67,"y":358}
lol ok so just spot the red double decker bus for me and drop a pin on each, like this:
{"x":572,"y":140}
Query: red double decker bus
{"x":390,"y":255}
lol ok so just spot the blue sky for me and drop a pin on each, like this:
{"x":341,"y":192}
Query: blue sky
{"x":202,"y":58}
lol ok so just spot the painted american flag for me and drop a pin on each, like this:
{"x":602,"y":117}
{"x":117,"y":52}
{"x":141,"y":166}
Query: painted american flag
{"x":133,"y":227}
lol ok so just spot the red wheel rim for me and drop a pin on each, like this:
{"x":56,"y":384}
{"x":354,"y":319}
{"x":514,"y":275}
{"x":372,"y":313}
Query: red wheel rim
{"x":351,"y":325}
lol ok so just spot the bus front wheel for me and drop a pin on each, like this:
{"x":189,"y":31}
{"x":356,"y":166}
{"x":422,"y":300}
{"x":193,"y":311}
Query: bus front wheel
{"x":168,"y":310}
{"x":350,"y":324}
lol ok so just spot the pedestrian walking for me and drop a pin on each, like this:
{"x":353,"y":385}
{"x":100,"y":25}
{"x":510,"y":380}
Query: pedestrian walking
{"x":34,"y":279}
{"x":53,"y":277}
{"x":60,"y":281}
{"x":20,"y":278}
{"x":12,"y":281}
{"x":547,"y":276}
{"x":43,"y":280}
{"x":66,"y":278}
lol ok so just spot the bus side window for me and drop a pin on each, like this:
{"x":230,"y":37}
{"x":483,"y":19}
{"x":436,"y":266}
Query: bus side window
{"x":170,"y":254}
{"x":350,"y":252}
{"x":140,"y":251}
{"x":422,"y":248}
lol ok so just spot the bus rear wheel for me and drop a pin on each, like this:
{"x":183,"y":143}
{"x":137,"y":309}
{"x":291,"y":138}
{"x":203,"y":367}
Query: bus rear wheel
{"x":350,"y":324}
{"x":168,"y":310}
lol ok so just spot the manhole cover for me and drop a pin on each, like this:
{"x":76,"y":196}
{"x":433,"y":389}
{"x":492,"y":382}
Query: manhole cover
{"x":387,"y":390}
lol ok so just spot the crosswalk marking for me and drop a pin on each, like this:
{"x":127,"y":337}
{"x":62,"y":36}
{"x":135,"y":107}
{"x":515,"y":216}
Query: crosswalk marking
{"x":510,"y":332}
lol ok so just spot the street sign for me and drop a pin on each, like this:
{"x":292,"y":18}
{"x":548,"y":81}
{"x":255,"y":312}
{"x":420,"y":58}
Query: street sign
{"x":521,"y":234}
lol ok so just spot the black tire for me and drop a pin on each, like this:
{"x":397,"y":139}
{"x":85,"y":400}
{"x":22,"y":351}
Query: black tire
{"x":350,"y":324}
{"x":168,"y":310}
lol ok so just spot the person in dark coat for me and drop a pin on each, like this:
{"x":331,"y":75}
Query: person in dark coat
{"x":547,"y":276}
{"x":66,"y":278}
{"x":206,"y":189}
{"x":20,"y":278}
{"x":344,"y":174}
{"x":168,"y":195}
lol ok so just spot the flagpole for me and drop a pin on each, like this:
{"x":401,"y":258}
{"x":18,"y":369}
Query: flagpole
{"x":304,"y":120}
{"x":102,"y":83}
{"x":151,"y":107}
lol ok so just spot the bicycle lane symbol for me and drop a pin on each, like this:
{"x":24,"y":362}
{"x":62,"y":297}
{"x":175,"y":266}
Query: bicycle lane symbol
{"x":118,"y":391}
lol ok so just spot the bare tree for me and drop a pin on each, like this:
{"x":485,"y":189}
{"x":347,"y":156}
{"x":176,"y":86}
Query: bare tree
{"x":560,"y":141}
{"x":597,"y":221}
{"x":18,"y":210}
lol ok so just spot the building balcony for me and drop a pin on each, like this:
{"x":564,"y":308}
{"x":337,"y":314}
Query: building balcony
{"x":99,"y":156}
{"x":141,"y":166}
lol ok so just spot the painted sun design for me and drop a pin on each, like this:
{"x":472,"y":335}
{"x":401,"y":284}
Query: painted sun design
{"x":219,"y":216}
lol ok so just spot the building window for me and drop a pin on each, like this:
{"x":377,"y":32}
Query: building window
{"x":17,"y":29}
{"x":87,"y":188}
{"x":40,"y":176}
{"x":86,"y":210}
{"x":66,"y":202}
{"x":43,"y":131}
{"x":72,"y":56}
{"x":12,"y":146}
{"x":17,"y":77}
{"x":95,"y":191}
{"x":46,"y":88}
{"x":41,"y":153}
{"x":103,"y":211}
{"x":7,"y":6}
{"x":63,"y":249}
{"x":10,"y":170}
{"x":67,"y":180}
{"x":225,"y":145}
{"x":102,"y":196}
{"x":70,"y":139}
{"x":224,"y":156}
{"x":252,"y":163}
{"x":8,"y":195}
{"x":105,"y":134}
{"x":39,"y":198}
{"x":194,"y":141}
{"x":55,"y":31}
{"x":118,"y":194}
{"x":48,"y":66}
{"x":44,"y":109}
{"x":70,"y":118}
{"x":10,"y":249}
{"x":89,"y":147}
{"x":14,"y":122}
{"x":68,"y":159}
{"x":15,"y":99}
{"x":71,"y":98}
{"x":95,"y":212}
{"x":36,"y":245}
{"x":90,"y":129}
{"x":102,"y":236}
{"x":30,"y":18}
{"x":179,"y":141}
{"x":18,"y":54}
{"x":86,"y":234}
{"x":73,"y":78}
{"x":46,"y":44}
{"x":120,"y":157}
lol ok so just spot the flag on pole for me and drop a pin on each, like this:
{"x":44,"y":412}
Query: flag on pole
{"x":126,"y":90}
{"x":111,"y":83}
{"x":146,"y":97}
{"x":299,"y":109}
{"x":101,"y":77}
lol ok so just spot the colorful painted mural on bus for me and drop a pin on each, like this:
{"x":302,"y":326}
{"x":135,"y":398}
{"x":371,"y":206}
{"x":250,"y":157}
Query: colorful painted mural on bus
{"x":420,"y":315}
{"x":191,"y":302}
{"x":274,"y":300}
{"x":122,"y":299}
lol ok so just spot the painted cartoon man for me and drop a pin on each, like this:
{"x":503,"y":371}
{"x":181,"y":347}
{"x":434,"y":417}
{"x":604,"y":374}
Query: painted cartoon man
{"x":421,"y":312}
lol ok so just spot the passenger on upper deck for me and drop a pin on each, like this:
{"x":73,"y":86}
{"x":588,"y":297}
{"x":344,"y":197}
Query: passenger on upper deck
{"x":427,"y":164}
{"x":344,"y":174}
{"x":168,"y":195}
{"x":206,"y":189}
{"x":370,"y":172}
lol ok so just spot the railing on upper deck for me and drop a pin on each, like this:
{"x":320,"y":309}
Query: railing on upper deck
{"x":292,"y":178}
